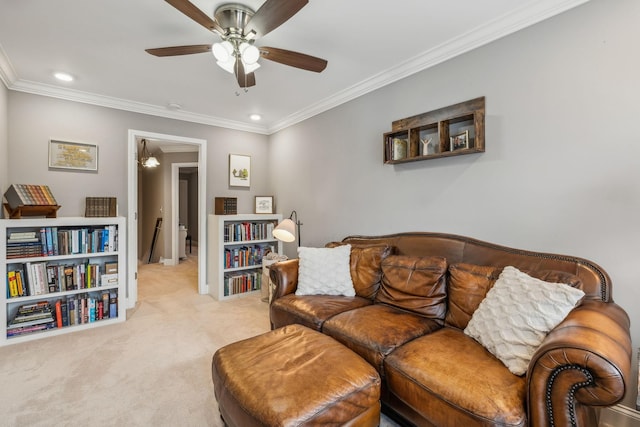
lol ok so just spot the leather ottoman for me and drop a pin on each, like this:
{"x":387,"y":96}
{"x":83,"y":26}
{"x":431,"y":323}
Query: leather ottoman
{"x":294,"y":376}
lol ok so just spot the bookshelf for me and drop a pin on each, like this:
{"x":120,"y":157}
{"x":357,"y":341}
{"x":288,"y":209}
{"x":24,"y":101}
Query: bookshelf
{"x":72,"y":267}
{"x":236,"y":244}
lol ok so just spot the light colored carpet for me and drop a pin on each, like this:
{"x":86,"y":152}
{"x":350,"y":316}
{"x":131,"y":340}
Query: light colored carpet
{"x":152,"y":370}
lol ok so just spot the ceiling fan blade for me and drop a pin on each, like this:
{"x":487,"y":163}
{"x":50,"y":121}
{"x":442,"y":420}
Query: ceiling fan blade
{"x":272,"y":14}
{"x":193,"y":12}
{"x":244,"y":80}
{"x":180,"y":50}
{"x":293,"y":59}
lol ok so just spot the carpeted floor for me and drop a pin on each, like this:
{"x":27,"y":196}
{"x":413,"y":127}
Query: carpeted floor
{"x":152,"y":370}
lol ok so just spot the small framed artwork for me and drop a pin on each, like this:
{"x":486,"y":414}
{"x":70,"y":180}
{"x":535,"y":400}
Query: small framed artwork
{"x":239,"y":170}
{"x":73,"y":156}
{"x":264,"y":204}
{"x":459,"y":141}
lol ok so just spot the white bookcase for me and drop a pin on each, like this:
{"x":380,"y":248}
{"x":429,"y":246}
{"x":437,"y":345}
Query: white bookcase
{"x":89,"y":250}
{"x":236,"y":244}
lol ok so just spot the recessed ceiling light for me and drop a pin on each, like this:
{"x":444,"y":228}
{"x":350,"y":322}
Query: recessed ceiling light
{"x":65,"y":77}
{"x":255,"y":117}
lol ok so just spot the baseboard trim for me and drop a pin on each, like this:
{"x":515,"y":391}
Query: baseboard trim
{"x":618,"y":416}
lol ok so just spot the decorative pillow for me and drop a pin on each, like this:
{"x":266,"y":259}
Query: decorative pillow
{"x":366,"y":267}
{"x":517,"y":314}
{"x":468,"y":284}
{"x":416,"y":284}
{"x":324,"y":271}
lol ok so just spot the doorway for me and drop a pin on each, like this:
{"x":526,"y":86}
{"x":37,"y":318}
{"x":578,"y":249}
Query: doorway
{"x":134,"y":138}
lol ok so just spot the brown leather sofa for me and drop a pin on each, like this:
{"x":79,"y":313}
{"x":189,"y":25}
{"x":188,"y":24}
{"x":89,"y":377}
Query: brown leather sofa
{"x":434,"y":374}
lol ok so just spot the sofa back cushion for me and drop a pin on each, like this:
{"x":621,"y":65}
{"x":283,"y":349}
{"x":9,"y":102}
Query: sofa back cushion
{"x":366,"y":267}
{"x":416,"y":284}
{"x":468,"y":284}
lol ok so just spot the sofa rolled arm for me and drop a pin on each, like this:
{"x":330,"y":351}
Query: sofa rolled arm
{"x":284,"y":278}
{"x":583,"y":363}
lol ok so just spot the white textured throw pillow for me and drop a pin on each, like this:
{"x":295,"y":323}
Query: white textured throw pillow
{"x":325,"y":271}
{"x":517,"y":314}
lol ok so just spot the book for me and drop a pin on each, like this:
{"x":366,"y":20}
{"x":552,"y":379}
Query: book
{"x":29,"y":195}
{"x":113,"y":305}
{"x":59,"y":313}
{"x":13,"y":284}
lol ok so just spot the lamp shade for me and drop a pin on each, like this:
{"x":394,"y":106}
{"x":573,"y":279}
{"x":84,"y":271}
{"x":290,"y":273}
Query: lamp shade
{"x":222,"y":51}
{"x":151,"y":162}
{"x":250,"y":54}
{"x":285,"y":231}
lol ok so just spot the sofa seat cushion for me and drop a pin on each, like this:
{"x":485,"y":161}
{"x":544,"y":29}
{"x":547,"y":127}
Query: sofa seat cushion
{"x":311,"y":310}
{"x":376,"y":330}
{"x":451,"y":380}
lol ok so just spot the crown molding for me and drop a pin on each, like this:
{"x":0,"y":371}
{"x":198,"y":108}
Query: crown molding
{"x":7,"y":73}
{"x":532,"y":13}
{"x":127,"y":105}
{"x":499,"y":27}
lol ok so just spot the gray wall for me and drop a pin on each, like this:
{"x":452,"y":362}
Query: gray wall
{"x":36,"y":119}
{"x":561,"y":170}
{"x":4,"y":141}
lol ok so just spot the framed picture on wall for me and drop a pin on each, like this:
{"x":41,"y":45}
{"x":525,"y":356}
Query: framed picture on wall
{"x":73,"y":155}
{"x":460,"y":141}
{"x":264,"y":204}
{"x":239,"y":170}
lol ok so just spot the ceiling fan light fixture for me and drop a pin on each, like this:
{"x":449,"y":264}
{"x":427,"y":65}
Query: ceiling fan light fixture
{"x":228,"y":66}
{"x":222,"y":51}
{"x":250,"y":54}
{"x":250,"y":68}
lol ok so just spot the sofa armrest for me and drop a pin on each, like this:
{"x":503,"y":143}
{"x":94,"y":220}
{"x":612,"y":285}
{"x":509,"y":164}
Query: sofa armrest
{"x":284,"y":278}
{"x":583,"y":363}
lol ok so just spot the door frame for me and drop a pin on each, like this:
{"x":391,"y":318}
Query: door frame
{"x":132,"y":208}
{"x":175,"y":178}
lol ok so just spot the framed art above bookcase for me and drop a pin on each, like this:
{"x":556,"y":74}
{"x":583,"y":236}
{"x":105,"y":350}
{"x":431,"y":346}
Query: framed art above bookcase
{"x":449,"y":131}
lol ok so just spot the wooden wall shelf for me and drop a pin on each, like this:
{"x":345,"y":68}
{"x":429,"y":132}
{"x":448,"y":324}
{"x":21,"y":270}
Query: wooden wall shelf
{"x":450,"y":131}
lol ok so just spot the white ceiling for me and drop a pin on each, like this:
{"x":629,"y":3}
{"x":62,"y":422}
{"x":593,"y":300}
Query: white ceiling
{"x":368,"y":44}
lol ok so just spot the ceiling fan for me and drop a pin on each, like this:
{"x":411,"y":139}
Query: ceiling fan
{"x":239,"y":27}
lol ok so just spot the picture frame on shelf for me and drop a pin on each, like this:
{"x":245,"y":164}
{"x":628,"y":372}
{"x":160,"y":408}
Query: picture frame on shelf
{"x":459,"y":141}
{"x":264,"y":205}
{"x":239,"y":170}
{"x":400,"y":148}
{"x":73,"y":156}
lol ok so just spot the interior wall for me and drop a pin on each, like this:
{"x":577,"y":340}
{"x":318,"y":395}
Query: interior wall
{"x":35,"y":119}
{"x":4,"y":142}
{"x":560,"y":172}
{"x":151,"y":207}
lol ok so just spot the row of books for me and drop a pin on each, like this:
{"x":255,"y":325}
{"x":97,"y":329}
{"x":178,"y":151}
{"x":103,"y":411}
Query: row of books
{"x":75,"y":310}
{"x":246,"y":231}
{"x":39,"y":278}
{"x":33,"y":317}
{"x":241,"y":283}
{"x":29,"y":195}
{"x":245,"y":256}
{"x":51,"y":241}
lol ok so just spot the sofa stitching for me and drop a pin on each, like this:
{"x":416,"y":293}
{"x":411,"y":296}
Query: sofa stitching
{"x":570,"y":396}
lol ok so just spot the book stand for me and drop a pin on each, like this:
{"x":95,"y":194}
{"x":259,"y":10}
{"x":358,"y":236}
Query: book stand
{"x":48,"y":211}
